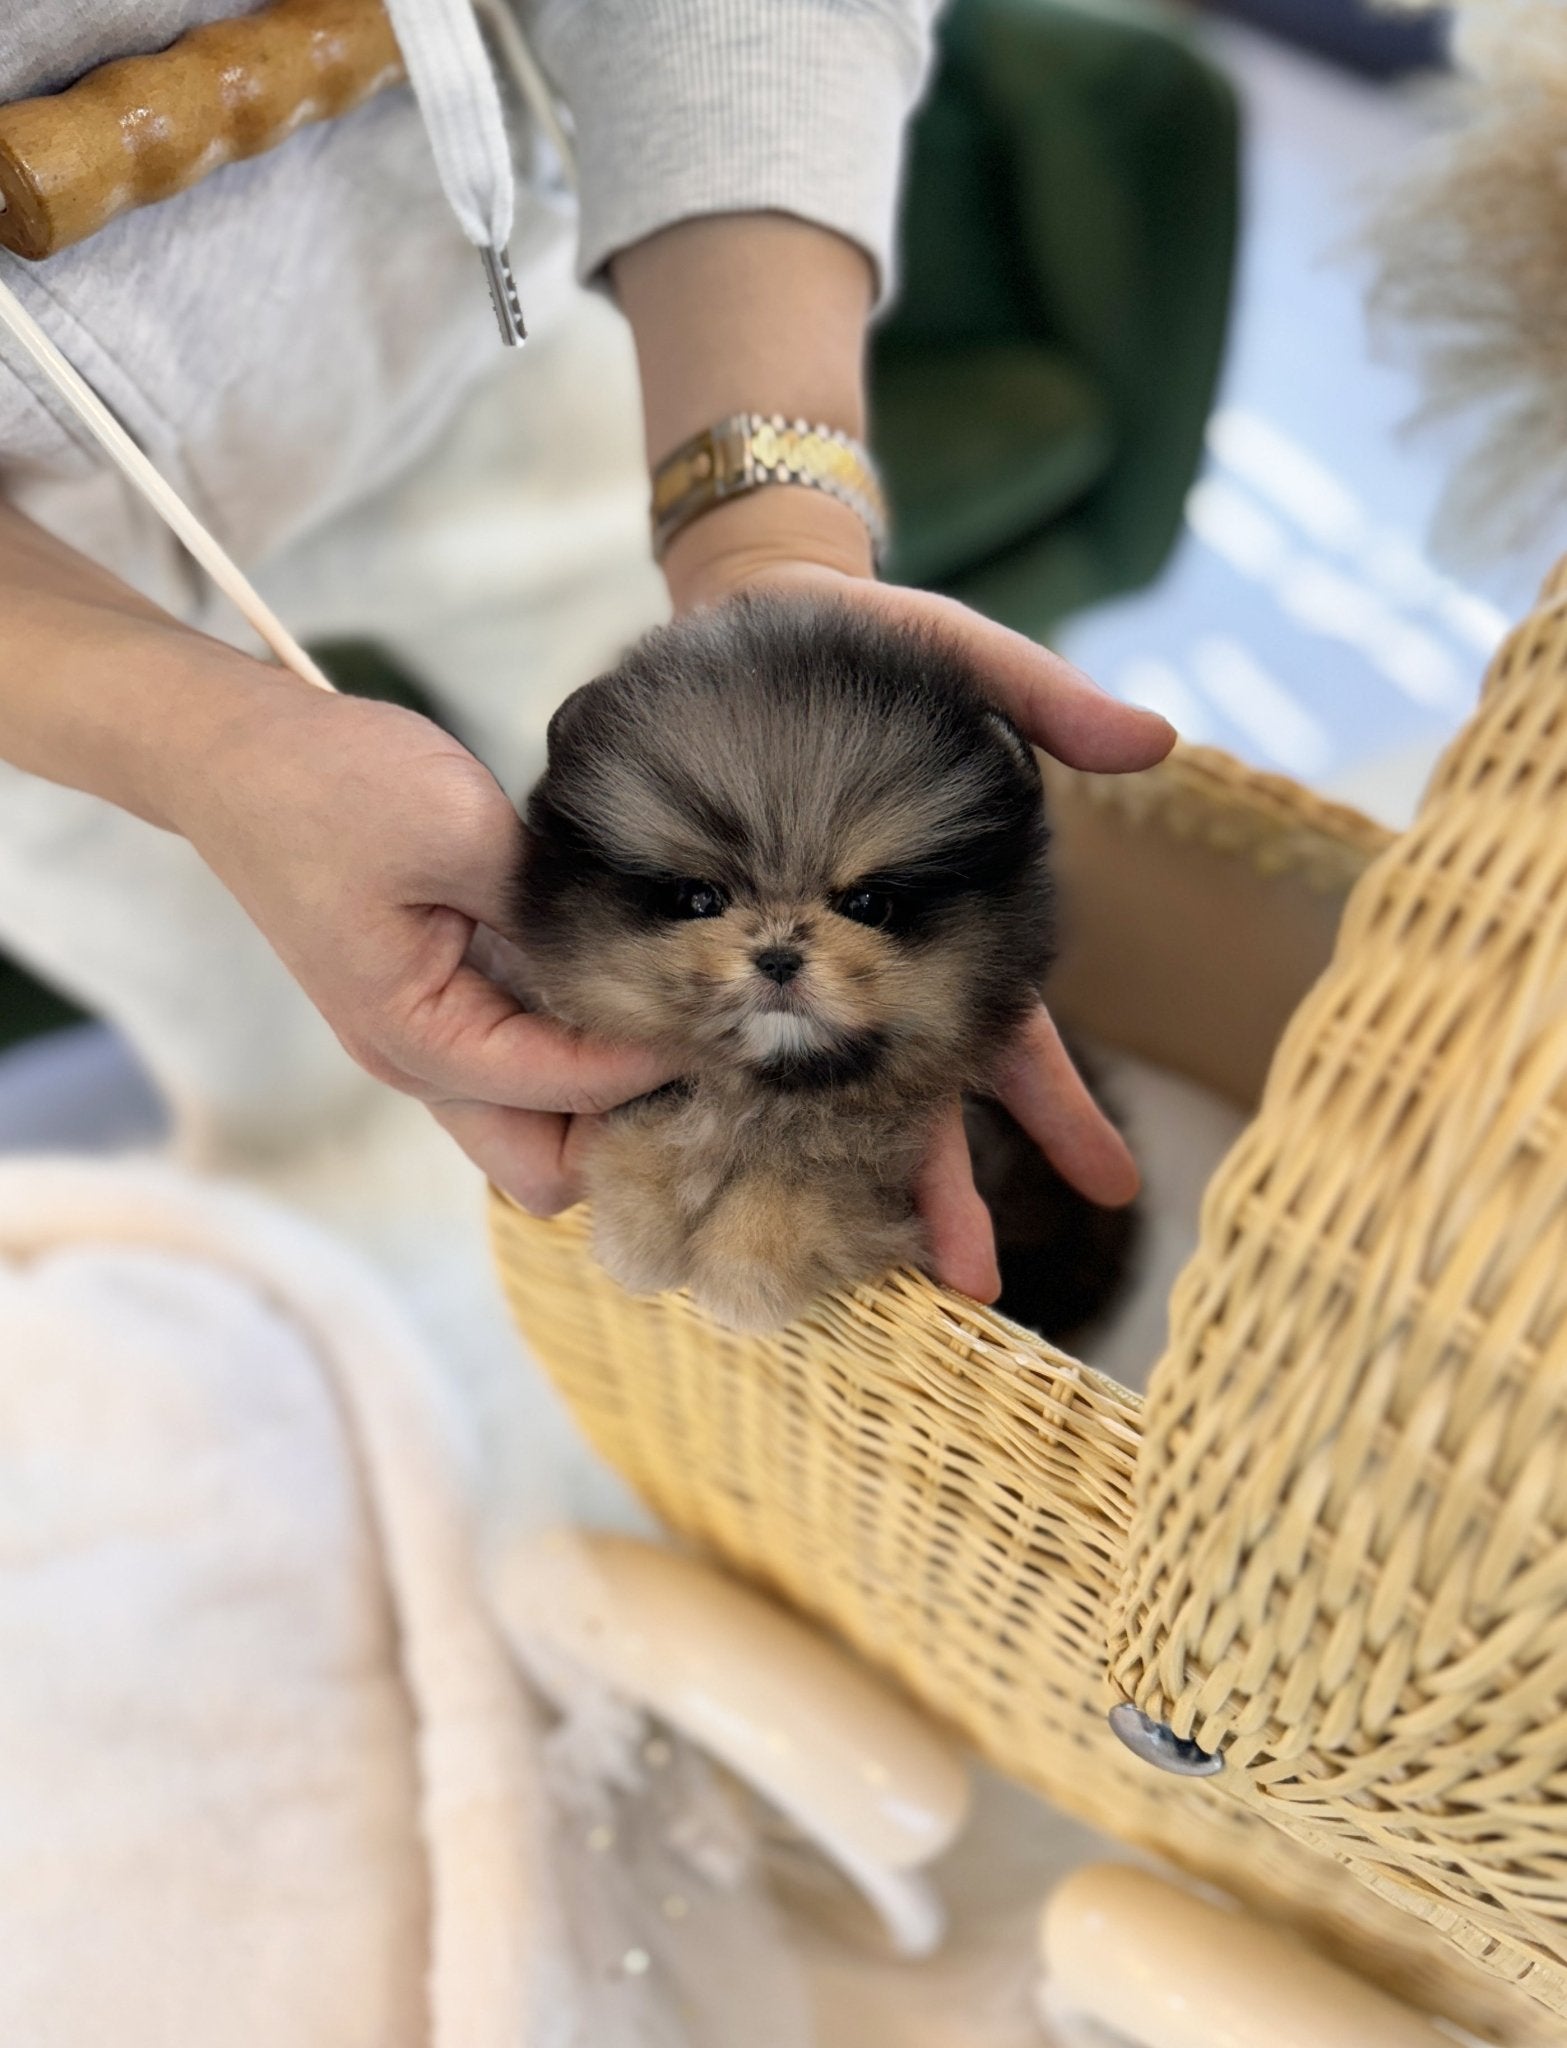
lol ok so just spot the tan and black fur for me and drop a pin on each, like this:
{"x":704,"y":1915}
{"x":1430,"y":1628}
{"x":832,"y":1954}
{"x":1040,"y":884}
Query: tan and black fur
{"x":798,"y":850}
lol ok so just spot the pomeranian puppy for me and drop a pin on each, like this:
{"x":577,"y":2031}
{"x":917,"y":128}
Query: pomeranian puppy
{"x":801,"y":852}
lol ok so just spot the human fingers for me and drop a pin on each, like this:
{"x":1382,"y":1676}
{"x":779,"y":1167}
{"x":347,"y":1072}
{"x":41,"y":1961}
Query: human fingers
{"x":525,"y":1153}
{"x":957,"y":1224}
{"x":1044,"y":1091}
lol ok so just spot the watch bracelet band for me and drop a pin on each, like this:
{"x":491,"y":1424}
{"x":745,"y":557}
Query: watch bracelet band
{"x":752,"y":449}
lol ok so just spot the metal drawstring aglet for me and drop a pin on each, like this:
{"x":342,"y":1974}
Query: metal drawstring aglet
{"x":503,"y":296}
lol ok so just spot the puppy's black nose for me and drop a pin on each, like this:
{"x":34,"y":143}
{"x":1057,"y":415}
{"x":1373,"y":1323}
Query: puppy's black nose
{"x":779,"y":963}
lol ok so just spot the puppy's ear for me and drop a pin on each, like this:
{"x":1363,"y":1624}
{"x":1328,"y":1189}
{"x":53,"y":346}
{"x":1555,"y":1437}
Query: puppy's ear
{"x":582,"y":718}
{"x":1027,"y":759}
{"x":602,"y":716}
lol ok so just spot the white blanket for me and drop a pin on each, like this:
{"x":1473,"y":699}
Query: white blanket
{"x":266,"y":1772}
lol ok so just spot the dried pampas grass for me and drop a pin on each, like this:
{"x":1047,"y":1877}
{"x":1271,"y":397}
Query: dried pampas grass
{"x":1471,"y":275}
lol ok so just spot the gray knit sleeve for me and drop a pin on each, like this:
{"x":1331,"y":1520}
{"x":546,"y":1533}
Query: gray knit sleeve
{"x":687,"y":107}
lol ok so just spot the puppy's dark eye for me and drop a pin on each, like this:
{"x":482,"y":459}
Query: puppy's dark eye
{"x":692,"y":899}
{"x":865,"y":906}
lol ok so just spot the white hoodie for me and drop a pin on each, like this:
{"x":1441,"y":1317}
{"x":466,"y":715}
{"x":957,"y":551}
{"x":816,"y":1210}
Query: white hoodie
{"x":289,"y":334}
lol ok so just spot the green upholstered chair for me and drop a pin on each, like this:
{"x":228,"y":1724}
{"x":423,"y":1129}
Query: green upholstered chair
{"x":1039,"y":389}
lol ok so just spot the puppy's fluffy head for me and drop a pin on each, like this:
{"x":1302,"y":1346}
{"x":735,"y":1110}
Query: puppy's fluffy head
{"x":786,"y":839}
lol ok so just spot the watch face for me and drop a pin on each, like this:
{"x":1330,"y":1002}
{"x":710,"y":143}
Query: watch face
{"x":685,"y":475}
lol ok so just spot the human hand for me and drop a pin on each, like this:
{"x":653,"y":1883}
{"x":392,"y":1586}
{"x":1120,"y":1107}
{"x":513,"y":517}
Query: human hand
{"x":368,"y":845}
{"x":795,"y":540}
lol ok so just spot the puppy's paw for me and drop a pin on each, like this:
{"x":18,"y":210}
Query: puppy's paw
{"x":750,"y":1297}
{"x":643,"y":1253}
{"x":640,"y":1234}
{"x":768,"y":1250}
{"x":884,"y":1245}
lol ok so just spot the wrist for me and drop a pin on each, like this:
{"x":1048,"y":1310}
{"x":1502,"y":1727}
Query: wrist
{"x":222,"y":719}
{"x":104,"y":692}
{"x":742,"y":541}
{"x":748,"y":311}
{"x":142,"y":704}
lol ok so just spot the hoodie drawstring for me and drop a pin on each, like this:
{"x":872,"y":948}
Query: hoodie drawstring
{"x":460,"y":104}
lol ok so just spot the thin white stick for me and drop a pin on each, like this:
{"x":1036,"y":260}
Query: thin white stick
{"x":159,"y":493}
{"x":529,"y":80}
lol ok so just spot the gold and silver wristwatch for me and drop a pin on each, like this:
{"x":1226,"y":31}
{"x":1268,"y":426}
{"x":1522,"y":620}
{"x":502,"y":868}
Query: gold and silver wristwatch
{"x":750,"y":449}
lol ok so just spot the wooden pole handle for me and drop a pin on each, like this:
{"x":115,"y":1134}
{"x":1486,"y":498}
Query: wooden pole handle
{"x":143,"y":128}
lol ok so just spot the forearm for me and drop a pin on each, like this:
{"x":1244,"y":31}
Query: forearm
{"x":750,"y":312}
{"x":99,"y":689}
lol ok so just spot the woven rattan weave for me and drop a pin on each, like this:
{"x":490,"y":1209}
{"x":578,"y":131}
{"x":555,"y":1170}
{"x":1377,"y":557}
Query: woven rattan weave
{"x":1334,"y":1543}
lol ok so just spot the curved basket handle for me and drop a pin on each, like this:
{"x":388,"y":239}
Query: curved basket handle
{"x":1348,"y":1559}
{"x":141,"y":129}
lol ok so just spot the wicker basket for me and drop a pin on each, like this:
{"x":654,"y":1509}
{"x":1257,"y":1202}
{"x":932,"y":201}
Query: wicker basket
{"x":1333,"y":1544}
